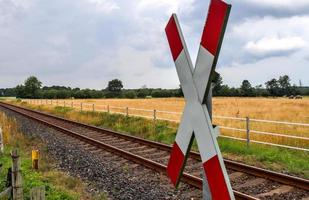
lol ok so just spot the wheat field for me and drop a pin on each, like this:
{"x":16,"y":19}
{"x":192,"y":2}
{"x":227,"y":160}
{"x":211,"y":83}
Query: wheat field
{"x":277,"y":109}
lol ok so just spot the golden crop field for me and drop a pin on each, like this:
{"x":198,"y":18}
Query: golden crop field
{"x":277,"y":109}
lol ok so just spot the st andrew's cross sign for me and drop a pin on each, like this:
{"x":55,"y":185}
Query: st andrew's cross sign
{"x":195,"y":83}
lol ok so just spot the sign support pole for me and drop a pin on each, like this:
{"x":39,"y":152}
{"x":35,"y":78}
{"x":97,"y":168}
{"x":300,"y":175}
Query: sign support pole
{"x":206,"y":190}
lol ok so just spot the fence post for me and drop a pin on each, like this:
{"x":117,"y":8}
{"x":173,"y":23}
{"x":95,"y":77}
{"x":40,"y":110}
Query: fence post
{"x":127,"y":111}
{"x":81,"y":107}
{"x":248,"y":130}
{"x":57,"y":102}
{"x":72,"y":105}
{"x":154,"y":115}
{"x":155,"y":119}
{"x":63,"y":103}
{"x":46,"y":101}
{"x":37,"y":193}
{"x":108,"y":108}
{"x":93,"y":107}
{"x":1,"y":141}
{"x":16,"y":177}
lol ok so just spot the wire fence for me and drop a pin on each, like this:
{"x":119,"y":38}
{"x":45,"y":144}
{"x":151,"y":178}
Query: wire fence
{"x":291,"y":135}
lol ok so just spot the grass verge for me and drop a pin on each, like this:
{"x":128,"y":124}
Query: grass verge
{"x":273,"y":158}
{"x":58,"y":185}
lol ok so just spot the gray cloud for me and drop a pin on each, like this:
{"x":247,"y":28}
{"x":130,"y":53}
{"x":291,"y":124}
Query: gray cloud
{"x":85,"y":43}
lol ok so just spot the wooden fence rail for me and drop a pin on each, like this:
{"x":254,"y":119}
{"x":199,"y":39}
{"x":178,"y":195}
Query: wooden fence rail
{"x":157,"y":115}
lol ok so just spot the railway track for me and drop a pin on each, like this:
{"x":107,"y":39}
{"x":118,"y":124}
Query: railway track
{"x":248,"y":182}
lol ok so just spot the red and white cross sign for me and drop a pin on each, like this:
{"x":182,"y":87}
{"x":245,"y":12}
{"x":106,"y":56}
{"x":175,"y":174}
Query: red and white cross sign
{"x":195,"y":83}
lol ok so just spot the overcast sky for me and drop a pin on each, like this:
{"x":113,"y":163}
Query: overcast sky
{"x":86,"y":43}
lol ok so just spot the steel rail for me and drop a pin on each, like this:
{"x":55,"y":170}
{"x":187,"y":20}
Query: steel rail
{"x":195,"y":181}
{"x":187,"y":178}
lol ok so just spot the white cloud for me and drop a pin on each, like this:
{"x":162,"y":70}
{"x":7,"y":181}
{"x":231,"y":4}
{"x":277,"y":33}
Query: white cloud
{"x":268,"y":26}
{"x":85,"y":43}
{"x":105,"y":6}
{"x":169,"y":7}
{"x":271,"y":45}
{"x":288,"y":4}
{"x":263,"y":70}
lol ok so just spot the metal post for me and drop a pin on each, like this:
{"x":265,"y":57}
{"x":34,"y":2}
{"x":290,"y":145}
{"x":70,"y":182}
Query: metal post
{"x":92,"y":107}
{"x":16,"y":177}
{"x":35,"y":158}
{"x":1,"y":141}
{"x":206,"y":190}
{"x":209,"y":101}
{"x":127,"y":111}
{"x":248,"y":130}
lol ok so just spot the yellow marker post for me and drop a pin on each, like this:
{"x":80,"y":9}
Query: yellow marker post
{"x":35,"y":159}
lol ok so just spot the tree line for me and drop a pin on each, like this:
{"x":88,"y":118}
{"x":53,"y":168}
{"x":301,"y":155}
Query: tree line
{"x":274,"y":87}
{"x":32,"y":88}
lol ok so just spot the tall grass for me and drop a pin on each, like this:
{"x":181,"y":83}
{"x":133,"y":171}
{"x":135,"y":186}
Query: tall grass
{"x":284,"y":160}
{"x":58,"y":184}
{"x":280,"y":109}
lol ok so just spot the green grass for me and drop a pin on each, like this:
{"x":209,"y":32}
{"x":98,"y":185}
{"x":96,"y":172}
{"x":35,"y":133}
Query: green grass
{"x":7,"y":98}
{"x":58,"y":185}
{"x":274,"y":158}
{"x":33,"y":178}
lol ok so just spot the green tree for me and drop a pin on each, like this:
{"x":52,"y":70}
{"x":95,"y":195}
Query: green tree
{"x":115,"y":85}
{"x":20,"y":91}
{"x":217,"y":84}
{"x":32,"y":87}
{"x":246,"y":89}
{"x":285,"y":85}
{"x":131,"y":94}
{"x":272,"y":87}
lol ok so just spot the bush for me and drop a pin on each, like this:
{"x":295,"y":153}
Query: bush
{"x":130,"y":94}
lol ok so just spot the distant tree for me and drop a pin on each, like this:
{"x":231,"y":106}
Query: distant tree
{"x":50,"y":94}
{"x":179,"y":92}
{"x":272,"y":87}
{"x":8,"y":92}
{"x":63,"y":94}
{"x":141,"y":93}
{"x":235,"y":92}
{"x":246,"y":89}
{"x":114,"y":88}
{"x":32,"y":87}
{"x":131,"y":94}
{"x":285,"y":85}
{"x":294,"y":90}
{"x":115,"y":85}
{"x":20,"y":91}
{"x":217,"y":83}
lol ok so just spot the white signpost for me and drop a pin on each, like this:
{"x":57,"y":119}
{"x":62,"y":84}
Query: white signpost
{"x":195,"y":83}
